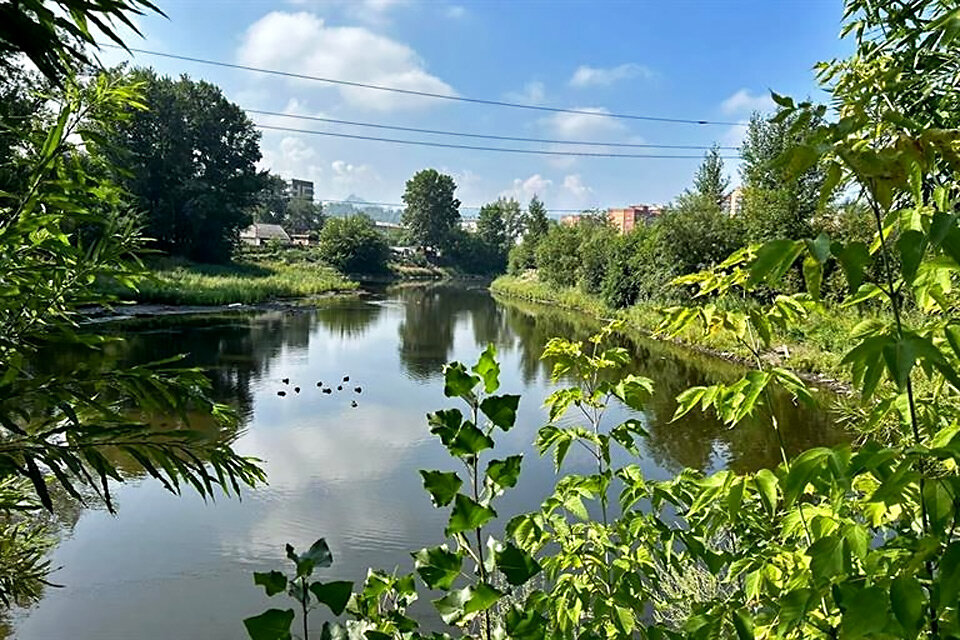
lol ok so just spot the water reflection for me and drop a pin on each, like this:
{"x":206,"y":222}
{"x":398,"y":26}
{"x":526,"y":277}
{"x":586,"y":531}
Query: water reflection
{"x":177,"y":567}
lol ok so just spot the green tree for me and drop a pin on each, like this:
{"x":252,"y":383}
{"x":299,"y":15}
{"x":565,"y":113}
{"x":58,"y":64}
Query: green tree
{"x":537,"y":222}
{"x":775,"y":203}
{"x":491,"y":227}
{"x":557,"y":256}
{"x":353,"y":245}
{"x":190,"y":162}
{"x":303,"y":215}
{"x":697,"y":233}
{"x":64,"y":227}
{"x":271,"y":202}
{"x":709,"y":182}
{"x":432,"y":212}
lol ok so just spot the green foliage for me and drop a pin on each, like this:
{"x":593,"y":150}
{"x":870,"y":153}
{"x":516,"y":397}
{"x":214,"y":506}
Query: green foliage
{"x":776,"y":203}
{"x":833,"y":543}
{"x":54,"y":35}
{"x":353,"y":245}
{"x":189,"y":160}
{"x":432,"y":212}
{"x":73,"y":431}
{"x":276,"y":624}
{"x":709,"y":183}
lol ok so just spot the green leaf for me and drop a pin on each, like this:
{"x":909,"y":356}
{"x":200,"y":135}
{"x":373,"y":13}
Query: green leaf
{"x":463,"y":604}
{"x":906,"y":600}
{"x":441,"y":485}
{"x":438,"y":567}
{"x":458,"y":382}
{"x":273,"y":582}
{"x":319,"y":554}
{"x":517,"y":565}
{"x":502,"y":410}
{"x":460,"y":438}
{"x":912,"y":245}
{"x":949,"y":575}
{"x":488,"y":369}
{"x":634,"y":391}
{"x":766,"y":484}
{"x":467,"y":514}
{"x":624,"y":619}
{"x":853,"y":258}
{"x":826,"y":558}
{"x":504,"y":473}
{"x":743,"y":624}
{"x":273,"y":624}
{"x":812,"y":276}
{"x":772,"y":261}
{"x":866,"y":613}
{"x":333,"y":594}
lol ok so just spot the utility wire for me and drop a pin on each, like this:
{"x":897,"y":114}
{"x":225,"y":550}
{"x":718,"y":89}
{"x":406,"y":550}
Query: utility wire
{"x":424,"y":94}
{"x":543,"y":152}
{"x":463,"y":134}
{"x":399,"y":205}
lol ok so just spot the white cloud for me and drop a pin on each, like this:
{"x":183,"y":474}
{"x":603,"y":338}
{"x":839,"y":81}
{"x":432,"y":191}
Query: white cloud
{"x":304,"y":43}
{"x":534,"y":92}
{"x":524,"y":189}
{"x":350,"y":177}
{"x":745,"y":102}
{"x":733,"y":136}
{"x":583,"y":126}
{"x":587,"y":76}
{"x":573,"y":184}
{"x":455,"y":12}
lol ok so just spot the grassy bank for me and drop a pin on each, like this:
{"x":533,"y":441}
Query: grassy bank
{"x":185,"y":283}
{"x":816,"y":347}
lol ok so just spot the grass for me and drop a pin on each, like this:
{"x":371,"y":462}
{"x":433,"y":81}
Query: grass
{"x":815,"y":347}
{"x":185,"y":283}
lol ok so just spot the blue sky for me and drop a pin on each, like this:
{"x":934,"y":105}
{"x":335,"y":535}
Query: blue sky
{"x":703,"y":59}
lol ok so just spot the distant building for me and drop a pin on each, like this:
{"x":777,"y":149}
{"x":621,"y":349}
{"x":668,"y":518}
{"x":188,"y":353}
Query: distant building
{"x":302,"y":239}
{"x":733,"y":201}
{"x":469,"y":224}
{"x":626,"y":219}
{"x":571,"y":220}
{"x":259,"y":234}
{"x":300,"y":189}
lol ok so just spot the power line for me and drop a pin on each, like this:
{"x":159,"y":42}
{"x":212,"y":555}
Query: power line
{"x":426,"y":94}
{"x":463,"y":134}
{"x":400,"y":205}
{"x":444,"y":145}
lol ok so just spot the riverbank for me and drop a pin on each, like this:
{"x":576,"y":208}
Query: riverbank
{"x":814,"y":349}
{"x":182,"y":283}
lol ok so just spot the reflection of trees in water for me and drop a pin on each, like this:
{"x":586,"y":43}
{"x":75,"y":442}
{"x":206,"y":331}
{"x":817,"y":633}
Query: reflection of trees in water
{"x":693,"y":440}
{"x":431,"y":315}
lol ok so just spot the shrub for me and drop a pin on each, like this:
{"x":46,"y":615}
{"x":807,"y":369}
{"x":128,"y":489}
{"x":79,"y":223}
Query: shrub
{"x":354,"y":245}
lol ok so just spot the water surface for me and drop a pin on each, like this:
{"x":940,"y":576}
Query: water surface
{"x":176,"y":567}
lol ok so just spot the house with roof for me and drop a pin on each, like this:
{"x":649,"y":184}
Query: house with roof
{"x":258,"y":234}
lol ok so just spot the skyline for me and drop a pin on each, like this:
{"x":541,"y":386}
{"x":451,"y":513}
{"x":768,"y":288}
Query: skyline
{"x":658,"y":70}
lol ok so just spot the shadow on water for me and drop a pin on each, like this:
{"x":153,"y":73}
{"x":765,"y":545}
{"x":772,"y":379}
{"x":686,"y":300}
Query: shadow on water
{"x":176,"y":567}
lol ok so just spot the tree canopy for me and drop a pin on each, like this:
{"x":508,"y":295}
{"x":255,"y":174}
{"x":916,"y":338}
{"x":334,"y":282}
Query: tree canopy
{"x":189,"y":159}
{"x":432,"y":211}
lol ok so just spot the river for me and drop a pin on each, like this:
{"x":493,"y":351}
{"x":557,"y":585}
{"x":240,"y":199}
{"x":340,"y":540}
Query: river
{"x":177,"y":567}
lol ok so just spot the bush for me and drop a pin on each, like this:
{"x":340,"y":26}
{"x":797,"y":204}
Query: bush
{"x":522,"y":257}
{"x":469,"y":253}
{"x":557,"y":256}
{"x":354,"y":245}
{"x":596,"y":242}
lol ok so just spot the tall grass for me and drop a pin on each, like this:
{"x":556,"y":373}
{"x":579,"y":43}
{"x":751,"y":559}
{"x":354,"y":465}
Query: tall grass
{"x":184,"y":283}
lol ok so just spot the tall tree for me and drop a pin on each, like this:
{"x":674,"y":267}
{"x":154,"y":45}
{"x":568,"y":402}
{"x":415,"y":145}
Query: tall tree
{"x":491,"y":226}
{"x":776,"y":203}
{"x":432,"y":212}
{"x":709,"y":181}
{"x":272,"y":201}
{"x":514,"y":220}
{"x":537,"y":222}
{"x":190,"y":161}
